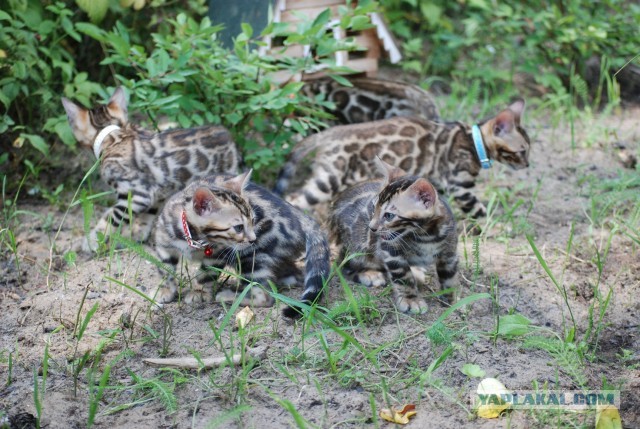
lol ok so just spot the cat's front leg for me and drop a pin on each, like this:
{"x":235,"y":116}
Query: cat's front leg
{"x":142,"y":199}
{"x":447,"y":269}
{"x":461,"y":188}
{"x":257,"y":279}
{"x":406,"y":295}
{"x":201,"y":292}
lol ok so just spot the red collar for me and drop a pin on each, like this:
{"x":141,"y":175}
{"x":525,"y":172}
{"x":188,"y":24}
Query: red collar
{"x":195,"y":244}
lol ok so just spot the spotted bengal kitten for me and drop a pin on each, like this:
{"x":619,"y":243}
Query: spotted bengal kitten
{"x":445,"y":153}
{"x":372,"y":99}
{"x":225,"y":221}
{"x":149,"y":165}
{"x":395,"y":224}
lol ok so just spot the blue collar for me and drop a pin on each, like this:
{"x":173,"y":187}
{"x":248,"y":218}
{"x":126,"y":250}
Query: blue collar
{"x":477,"y":141}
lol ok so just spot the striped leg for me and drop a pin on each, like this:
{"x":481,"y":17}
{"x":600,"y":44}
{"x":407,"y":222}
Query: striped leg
{"x":318,"y":190}
{"x":405,"y":291}
{"x":461,"y":189}
{"x":255,"y":271}
{"x":142,"y":199}
{"x":447,"y":269}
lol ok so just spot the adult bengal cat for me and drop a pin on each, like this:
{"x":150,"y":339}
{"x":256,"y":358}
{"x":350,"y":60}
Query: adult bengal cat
{"x":450,"y":155}
{"x":370,"y":99}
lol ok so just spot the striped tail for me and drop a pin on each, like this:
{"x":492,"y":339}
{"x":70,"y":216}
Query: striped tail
{"x":304,"y":148}
{"x":317,"y":268}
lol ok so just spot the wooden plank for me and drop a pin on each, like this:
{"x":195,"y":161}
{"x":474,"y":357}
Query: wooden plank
{"x":311,"y":13}
{"x":304,"y":4}
{"x":363,"y":64}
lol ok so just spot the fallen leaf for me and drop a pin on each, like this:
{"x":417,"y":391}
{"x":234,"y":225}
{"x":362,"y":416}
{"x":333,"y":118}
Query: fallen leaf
{"x":244,"y":317}
{"x":398,"y":416}
{"x":493,"y":405}
{"x":608,"y":417}
{"x":472,"y":370}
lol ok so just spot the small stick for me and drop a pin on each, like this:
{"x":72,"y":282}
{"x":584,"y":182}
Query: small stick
{"x":206,"y":363}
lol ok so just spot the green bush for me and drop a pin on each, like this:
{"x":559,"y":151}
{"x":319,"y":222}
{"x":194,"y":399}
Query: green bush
{"x":176,"y":71}
{"x":186,"y":76}
{"x":490,"y":41}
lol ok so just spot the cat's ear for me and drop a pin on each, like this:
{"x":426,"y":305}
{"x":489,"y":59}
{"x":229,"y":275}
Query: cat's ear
{"x":117,"y":105}
{"x":517,"y":107}
{"x":238,"y":183}
{"x":204,"y":202}
{"x":75,"y":114}
{"x":508,"y":119}
{"x":390,"y":172}
{"x":424,"y":192}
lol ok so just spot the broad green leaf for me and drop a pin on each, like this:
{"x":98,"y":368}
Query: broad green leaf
{"x":37,"y":142}
{"x":472,"y":370}
{"x":513,"y":325}
{"x":91,"y":30}
{"x":96,"y":9}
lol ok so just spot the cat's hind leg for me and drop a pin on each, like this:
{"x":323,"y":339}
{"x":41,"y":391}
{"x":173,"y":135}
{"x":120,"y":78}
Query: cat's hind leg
{"x":319,"y":189}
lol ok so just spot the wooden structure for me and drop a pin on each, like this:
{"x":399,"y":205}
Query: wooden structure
{"x":377,"y":41}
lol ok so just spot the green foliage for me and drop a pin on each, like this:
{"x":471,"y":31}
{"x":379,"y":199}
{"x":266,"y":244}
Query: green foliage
{"x":188,"y":77}
{"x":34,"y":64}
{"x":480,"y":40}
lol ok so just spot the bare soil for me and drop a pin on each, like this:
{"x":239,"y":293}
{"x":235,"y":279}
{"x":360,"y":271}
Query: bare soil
{"x":44,"y":301}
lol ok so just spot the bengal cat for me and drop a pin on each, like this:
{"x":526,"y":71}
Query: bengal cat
{"x":370,"y":99}
{"x":445,"y":153}
{"x":392,"y":225}
{"x":225,"y":221}
{"x":149,"y":166}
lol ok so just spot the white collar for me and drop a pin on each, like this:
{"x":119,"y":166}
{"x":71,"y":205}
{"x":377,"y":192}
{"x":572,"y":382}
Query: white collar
{"x":97,"y":143}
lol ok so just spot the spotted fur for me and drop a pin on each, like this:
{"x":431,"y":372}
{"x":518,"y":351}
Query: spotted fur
{"x":442,"y":152}
{"x":148,"y":165}
{"x":370,"y":99}
{"x":249,"y":229}
{"x":395,"y":224}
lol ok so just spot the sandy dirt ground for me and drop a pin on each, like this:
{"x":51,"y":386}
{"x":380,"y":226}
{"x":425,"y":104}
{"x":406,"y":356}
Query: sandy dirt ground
{"x":44,"y":301}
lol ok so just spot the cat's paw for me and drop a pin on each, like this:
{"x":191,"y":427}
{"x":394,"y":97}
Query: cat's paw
{"x":411,"y":305}
{"x":472,"y":228}
{"x":197,"y":297}
{"x":90,"y":244}
{"x":164,"y":295}
{"x":256,"y":297}
{"x":371,"y":278}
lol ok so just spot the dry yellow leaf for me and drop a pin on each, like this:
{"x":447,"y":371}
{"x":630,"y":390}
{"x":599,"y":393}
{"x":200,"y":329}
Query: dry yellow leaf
{"x":491,"y":404}
{"x":608,"y":417}
{"x":244,"y":317}
{"x":18,"y":142}
{"x":398,"y":416}
{"x":3,"y":53}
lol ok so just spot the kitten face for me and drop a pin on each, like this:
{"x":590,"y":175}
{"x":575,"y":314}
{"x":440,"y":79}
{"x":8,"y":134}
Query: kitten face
{"x":87,"y":123}
{"x":222,"y":214}
{"x":402,"y":206}
{"x":505,"y":140}
{"x":222,"y":217}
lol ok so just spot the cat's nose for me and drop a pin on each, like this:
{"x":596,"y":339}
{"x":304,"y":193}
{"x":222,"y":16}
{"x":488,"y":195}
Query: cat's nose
{"x":251,"y":237}
{"x":373,"y":226}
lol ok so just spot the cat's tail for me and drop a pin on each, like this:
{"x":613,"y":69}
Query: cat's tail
{"x":317,"y":268}
{"x":300,"y":152}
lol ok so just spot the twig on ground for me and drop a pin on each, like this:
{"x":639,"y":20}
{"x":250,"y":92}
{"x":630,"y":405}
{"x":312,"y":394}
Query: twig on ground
{"x":258,"y":353}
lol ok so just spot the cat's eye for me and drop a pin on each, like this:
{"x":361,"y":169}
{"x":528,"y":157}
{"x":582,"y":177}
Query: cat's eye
{"x":238,"y":228}
{"x":388,"y":216}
